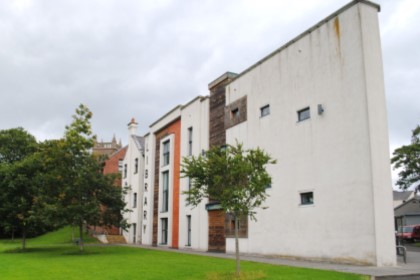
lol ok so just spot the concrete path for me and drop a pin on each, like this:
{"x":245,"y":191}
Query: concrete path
{"x":402,"y":271}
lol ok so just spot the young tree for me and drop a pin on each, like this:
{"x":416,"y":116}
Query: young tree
{"x":235,"y":177}
{"x":86,"y":190}
{"x":407,"y":158}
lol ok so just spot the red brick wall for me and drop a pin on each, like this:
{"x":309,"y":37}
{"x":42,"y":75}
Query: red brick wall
{"x":111,"y":167}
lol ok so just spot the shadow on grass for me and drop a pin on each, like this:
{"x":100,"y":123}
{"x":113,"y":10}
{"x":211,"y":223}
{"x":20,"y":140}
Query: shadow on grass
{"x":252,"y":275}
{"x":78,"y":253}
{"x":32,"y":250}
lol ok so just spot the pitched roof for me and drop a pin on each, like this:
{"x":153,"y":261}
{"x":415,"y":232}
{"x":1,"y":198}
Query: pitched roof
{"x":139,"y":140}
{"x":402,"y":195}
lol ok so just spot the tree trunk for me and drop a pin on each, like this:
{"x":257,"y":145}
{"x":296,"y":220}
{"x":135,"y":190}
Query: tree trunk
{"x":81,"y":237}
{"x":23,"y":237}
{"x":238,"y":261}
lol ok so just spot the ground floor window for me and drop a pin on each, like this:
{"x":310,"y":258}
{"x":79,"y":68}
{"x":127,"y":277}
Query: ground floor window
{"x":188,"y":230}
{"x":164,"y":226}
{"x":134,"y":232}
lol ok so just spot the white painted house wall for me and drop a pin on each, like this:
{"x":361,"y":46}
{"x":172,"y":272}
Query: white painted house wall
{"x":194,"y":115}
{"x":135,"y":182}
{"x":340,"y":155}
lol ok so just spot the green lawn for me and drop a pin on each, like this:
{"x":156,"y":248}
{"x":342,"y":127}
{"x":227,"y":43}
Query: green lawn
{"x":52,"y":256}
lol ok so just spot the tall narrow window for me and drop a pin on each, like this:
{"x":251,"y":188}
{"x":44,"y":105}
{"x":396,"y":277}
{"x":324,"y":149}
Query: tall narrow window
{"x":146,"y":173}
{"x":190,"y":140}
{"x":125,"y":170}
{"x":164,"y":226}
{"x":165,"y":191}
{"x":145,"y":187}
{"x":304,"y":114}
{"x":120,"y":165}
{"x":166,"y":153}
{"x":265,"y":110}
{"x":188,"y":230}
{"x":134,"y":232}
{"x":136,"y":165}
{"x":134,"y":200}
{"x":189,"y":186}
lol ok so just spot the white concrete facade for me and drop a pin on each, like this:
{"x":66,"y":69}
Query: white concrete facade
{"x":339,"y":154}
{"x":317,"y":106}
{"x":193,"y":228}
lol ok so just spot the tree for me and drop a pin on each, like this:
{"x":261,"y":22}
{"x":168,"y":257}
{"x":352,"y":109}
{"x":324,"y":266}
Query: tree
{"x":407,"y":158}
{"x":235,"y":177}
{"x":18,"y":182}
{"x":88,"y":195}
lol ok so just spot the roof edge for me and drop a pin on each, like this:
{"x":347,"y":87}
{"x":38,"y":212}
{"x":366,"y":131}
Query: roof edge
{"x":311,"y":29}
{"x":167,"y":114}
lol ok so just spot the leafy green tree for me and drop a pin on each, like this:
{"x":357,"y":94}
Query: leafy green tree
{"x":15,"y":145}
{"x":88,"y":195}
{"x":407,"y":159}
{"x":235,"y":177}
{"x":18,"y":184}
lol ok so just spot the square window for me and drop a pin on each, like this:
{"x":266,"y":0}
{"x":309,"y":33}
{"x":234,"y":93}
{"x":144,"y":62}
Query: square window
{"x":234,"y":114}
{"x":265,"y":110}
{"x":307,"y":198}
{"x":304,"y":114}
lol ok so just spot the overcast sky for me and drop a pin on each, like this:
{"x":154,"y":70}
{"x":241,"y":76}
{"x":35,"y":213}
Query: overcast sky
{"x":139,"y":59}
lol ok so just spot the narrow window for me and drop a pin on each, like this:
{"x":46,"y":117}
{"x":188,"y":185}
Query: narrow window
{"x":120,"y":165}
{"x":134,"y":200}
{"x":304,"y":114}
{"x":125,"y":170}
{"x":164,"y":225}
{"x":146,"y":174}
{"x":166,"y":153}
{"x":190,"y":140}
{"x":188,"y":230}
{"x":136,"y":165}
{"x":145,"y":187}
{"x":165,"y":191}
{"x":145,"y":215}
{"x":307,"y":198}
{"x":265,"y":110}
{"x":134,"y":232}
{"x":145,"y":201}
{"x":189,"y":186}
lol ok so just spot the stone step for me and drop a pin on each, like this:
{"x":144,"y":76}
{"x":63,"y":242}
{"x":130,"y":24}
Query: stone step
{"x":116,"y":239}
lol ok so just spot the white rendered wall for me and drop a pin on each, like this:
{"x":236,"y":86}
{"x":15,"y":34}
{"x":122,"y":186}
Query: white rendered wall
{"x":195,"y":115}
{"x":340,"y":155}
{"x":135,"y":182}
{"x":147,"y":224}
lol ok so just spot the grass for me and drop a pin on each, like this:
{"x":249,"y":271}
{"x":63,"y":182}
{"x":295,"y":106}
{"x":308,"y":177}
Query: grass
{"x":53,"y":256}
